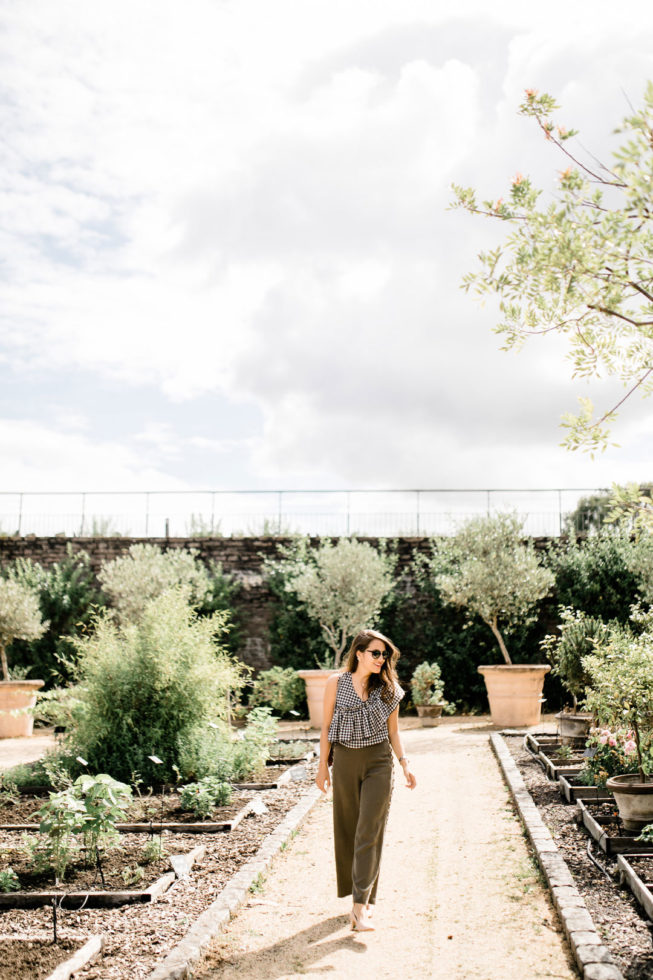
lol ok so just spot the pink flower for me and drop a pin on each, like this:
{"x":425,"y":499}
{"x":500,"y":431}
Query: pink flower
{"x":630,"y":747}
{"x":603,"y":738}
{"x":612,"y":742}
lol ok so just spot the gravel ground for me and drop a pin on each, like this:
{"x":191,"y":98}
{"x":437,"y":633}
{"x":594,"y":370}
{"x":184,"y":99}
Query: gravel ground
{"x":625,"y":929}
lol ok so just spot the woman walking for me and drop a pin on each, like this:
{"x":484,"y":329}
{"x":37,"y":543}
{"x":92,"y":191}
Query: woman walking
{"x":361,"y":723}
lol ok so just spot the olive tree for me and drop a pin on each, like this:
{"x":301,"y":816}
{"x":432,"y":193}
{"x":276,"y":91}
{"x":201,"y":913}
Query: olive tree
{"x":579,"y":263}
{"x":491,"y":571}
{"x":145,"y":572}
{"x":20,"y":618}
{"x":341,"y":586}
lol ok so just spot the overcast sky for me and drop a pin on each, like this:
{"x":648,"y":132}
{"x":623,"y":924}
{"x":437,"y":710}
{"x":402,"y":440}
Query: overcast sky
{"x":225,"y":255}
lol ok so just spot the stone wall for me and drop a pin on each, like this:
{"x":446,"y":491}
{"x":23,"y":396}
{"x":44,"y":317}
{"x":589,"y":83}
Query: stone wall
{"x":241,"y":557}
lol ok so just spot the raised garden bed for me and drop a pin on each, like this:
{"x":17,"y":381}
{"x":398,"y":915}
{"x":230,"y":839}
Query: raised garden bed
{"x":272,"y":777}
{"x":556,"y":765}
{"x":601,"y":820}
{"x":636,"y":871}
{"x":572,"y":790}
{"x":537,"y":742}
{"x":623,"y":926}
{"x":138,"y":936}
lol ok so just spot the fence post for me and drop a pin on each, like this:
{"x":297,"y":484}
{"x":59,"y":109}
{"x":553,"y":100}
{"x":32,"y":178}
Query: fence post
{"x":20,"y":512}
{"x":81,"y":529}
{"x":417,"y":515}
{"x":147,"y":514}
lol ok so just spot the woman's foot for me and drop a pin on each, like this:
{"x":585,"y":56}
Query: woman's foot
{"x":369,"y":909}
{"x":359,"y":920}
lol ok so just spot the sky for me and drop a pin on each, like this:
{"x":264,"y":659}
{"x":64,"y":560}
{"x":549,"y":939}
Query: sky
{"x":226,"y":255}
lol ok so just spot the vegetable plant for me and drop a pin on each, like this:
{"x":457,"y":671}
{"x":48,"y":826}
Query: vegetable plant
{"x":202,"y":797}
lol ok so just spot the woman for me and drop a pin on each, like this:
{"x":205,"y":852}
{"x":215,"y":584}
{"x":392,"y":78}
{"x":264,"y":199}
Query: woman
{"x":361,"y":713}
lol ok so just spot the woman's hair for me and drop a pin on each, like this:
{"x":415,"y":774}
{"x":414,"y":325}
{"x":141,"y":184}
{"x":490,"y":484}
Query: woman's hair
{"x":387,"y":677}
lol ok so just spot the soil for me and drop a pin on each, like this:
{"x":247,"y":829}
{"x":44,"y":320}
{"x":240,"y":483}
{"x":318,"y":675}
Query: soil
{"x":624,"y":927}
{"x":137,"y":937}
{"x":156,"y":808}
{"x":29,"y":959}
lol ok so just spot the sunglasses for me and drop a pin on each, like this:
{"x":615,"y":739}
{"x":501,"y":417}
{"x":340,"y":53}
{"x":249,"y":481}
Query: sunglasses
{"x":377,"y":654}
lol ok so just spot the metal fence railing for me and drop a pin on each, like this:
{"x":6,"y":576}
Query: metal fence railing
{"x":187,"y":513}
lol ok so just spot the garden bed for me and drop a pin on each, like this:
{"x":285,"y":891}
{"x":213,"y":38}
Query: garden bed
{"x":601,"y":820}
{"x":620,"y":921}
{"x":572,"y":789}
{"x":35,"y":959}
{"x":137,"y":937}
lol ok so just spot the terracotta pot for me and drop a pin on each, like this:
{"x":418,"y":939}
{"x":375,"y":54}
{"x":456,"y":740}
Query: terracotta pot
{"x":315,"y":681}
{"x":573,"y":726}
{"x":633,"y":798}
{"x":429,"y":714}
{"x":515,"y":693}
{"x":17,"y":696}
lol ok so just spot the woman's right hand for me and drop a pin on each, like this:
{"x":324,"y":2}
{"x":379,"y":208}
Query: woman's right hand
{"x":323,"y":779}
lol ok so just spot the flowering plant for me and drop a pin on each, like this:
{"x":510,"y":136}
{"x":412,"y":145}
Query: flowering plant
{"x":610,"y":752}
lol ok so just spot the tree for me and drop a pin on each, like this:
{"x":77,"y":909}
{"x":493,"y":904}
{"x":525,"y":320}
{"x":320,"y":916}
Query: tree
{"x":489,"y":570}
{"x":20,"y":618}
{"x":580,"y":266}
{"x":341,"y":586}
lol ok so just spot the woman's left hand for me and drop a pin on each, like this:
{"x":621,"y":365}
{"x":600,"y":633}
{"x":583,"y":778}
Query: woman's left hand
{"x":411,"y":782}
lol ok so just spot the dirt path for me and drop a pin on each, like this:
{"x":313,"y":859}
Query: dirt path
{"x":15,"y":750}
{"x":458,"y":898}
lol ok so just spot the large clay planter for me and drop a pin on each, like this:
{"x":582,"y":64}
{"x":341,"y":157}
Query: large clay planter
{"x":17,"y":696}
{"x":573,"y":726}
{"x":429,"y":714}
{"x":515,"y":693}
{"x":315,"y":681}
{"x":633,"y":798}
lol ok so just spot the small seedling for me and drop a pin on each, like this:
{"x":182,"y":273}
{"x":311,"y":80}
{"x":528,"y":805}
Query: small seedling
{"x":9,"y":881}
{"x":132,"y":876}
{"x":153,"y":850}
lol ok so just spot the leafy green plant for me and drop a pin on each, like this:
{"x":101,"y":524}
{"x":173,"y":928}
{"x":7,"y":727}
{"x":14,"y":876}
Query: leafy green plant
{"x":609,"y":753}
{"x":9,"y":881}
{"x":105,"y":802}
{"x":202,"y":797}
{"x":148,"y":686}
{"x":20,"y":618}
{"x":579,"y":266}
{"x":68,"y":597}
{"x":488,"y":569}
{"x":253,"y":749}
{"x":153,"y":850}
{"x":341,"y":586}
{"x":426,"y":685}
{"x":280,"y":688}
{"x":61,"y":820}
{"x":578,"y":635}
{"x":620,"y":691}
{"x":132,"y":876}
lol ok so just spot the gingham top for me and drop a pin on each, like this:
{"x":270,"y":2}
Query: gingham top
{"x":358,"y":723}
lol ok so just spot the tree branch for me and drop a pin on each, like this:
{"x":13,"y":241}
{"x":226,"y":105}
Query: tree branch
{"x":616,"y":407}
{"x":621,"y":316}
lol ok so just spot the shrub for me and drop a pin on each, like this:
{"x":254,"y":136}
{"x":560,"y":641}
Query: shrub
{"x":20,"y":617}
{"x":578,"y":633}
{"x":147,"y":572}
{"x":202,"y":797}
{"x":426,"y":685}
{"x":253,"y":750}
{"x":341,"y":586}
{"x":595,"y":575}
{"x":488,"y":569}
{"x":281,"y":688}
{"x":68,"y":599}
{"x":148,"y":685}
{"x":610,"y":752}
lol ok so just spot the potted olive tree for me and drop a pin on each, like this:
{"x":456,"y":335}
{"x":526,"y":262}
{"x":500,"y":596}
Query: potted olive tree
{"x":577,"y":638}
{"x":20,"y":619}
{"x":342,"y":586}
{"x":620,"y":693}
{"x":488,"y":569}
{"x":427,"y":692}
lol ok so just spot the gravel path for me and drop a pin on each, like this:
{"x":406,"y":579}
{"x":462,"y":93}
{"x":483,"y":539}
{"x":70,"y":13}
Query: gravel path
{"x":459,"y":895}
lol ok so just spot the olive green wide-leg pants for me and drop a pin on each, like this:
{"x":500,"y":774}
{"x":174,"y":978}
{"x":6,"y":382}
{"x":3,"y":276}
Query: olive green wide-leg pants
{"x":362,"y":787}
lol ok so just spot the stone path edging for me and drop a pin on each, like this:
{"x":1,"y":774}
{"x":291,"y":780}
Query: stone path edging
{"x":179,"y":962}
{"x":594,"y":960}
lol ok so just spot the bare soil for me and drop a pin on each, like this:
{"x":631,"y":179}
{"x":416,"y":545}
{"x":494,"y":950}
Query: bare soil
{"x":624,"y":927}
{"x":29,"y":959}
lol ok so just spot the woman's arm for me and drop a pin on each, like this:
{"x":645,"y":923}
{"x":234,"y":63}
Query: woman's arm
{"x":397,"y":745}
{"x":322,"y":779}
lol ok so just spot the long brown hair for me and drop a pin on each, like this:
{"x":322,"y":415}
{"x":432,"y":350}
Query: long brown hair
{"x":387,"y":676}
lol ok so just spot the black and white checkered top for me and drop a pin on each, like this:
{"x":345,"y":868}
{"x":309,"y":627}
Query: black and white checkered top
{"x":358,"y":723}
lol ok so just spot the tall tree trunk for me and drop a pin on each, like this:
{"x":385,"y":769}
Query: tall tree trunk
{"x":495,"y":629}
{"x":3,"y":662}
